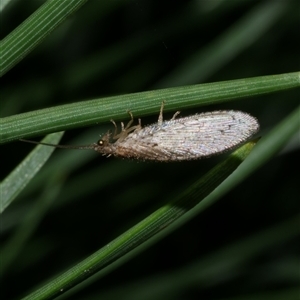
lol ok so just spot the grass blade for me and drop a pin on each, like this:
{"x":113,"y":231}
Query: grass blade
{"x":33,"y":31}
{"x":17,"y":180}
{"x":86,"y":113}
{"x":144,"y":230}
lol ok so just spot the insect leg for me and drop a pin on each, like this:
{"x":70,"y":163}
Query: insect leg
{"x":131,"y":121}
{"x":175,"y":115}
{"x":160,"y":117}
{"x":116,"y":128}
{"x":126,"y":130}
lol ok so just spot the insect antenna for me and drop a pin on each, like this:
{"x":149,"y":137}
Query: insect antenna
{"x":80,"y":147}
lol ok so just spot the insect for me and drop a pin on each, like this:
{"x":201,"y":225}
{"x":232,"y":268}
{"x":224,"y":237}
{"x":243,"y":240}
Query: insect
{"x":188,"y":138}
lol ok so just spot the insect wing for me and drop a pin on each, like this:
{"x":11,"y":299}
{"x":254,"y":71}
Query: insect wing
{"x":197,"y":136}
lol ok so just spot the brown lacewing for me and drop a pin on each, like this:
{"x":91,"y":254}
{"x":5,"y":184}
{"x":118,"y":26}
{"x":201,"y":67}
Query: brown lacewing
{"x":188,"y":138}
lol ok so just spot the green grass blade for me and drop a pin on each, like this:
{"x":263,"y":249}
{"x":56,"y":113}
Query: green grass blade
{"x":33,"y":31}
{"x":219,"y":264}
{"x":17,"y":180}
{"x":3,"y":3}
{"x":102,"y":110}
{"x":144,"y":230}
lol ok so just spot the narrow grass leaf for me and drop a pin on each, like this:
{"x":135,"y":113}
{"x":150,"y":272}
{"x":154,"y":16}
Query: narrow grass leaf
{"x":20,"y":42}
{"x":90,"y":112}
{"x":17,"y":180}
{"x":144,"y":230}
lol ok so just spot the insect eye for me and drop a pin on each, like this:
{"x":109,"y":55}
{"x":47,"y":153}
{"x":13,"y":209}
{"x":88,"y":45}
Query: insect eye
{"x":100,"y":142}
